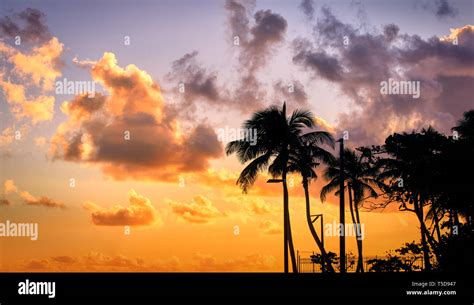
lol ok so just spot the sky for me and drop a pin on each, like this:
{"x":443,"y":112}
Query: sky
{"x":135,"y":178}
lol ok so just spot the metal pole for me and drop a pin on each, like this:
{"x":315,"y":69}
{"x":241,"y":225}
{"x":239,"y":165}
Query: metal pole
{"x":342,"y":241}
{"x":322,"y":242}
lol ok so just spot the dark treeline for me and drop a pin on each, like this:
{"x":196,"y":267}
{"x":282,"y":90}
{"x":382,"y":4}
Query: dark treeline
{"x":423,"y":172}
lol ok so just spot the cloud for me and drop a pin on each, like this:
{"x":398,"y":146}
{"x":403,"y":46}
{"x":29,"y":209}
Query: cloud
{"x":140,"y":212}
{"x":270,"y":227}
{"x":4,"y":201}
{"x":6,"y":137}
{"x":40,"y":141}
{"x":292,"y":92}
{"x":257,"y":43}
{"x":445,"y":9}
{"x":320,"y":62}
{"x":41,"y":65}
{"x":39,"y":109}
{"x":358,"y":67}
{"x":252,"y":263}
{"x":307,"y":6}
{"x":199,"y":211}
{"x":41,"y":201}
{"x":35,"y":71}
{"x":97,"y":262}
{"x":254,"y":205}
{"x":199,"y":84}
{"x":130,"y":133}
{"x":83,"y":63}
{"x":442,"y":9}
{"x":259,"y":35}
{"x":102,"y":262}
{"x":30,"y":25}
{"x":9,"y":186}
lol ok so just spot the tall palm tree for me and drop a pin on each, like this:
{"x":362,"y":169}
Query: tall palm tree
{"x":304,"y":159}
{"x":359,"y":183}
{"x":277,"y":135}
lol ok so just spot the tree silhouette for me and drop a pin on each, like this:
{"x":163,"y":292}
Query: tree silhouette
{"x":304,"y":159}
{"x":277,"y":135}
{"x":359,"y":183}
{"x":411,"y":169}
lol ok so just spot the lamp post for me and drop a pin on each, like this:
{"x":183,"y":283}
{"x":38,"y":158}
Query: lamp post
{"x":285,"y":231}
{"x":323,"y":258}
{"x":342,"y":241}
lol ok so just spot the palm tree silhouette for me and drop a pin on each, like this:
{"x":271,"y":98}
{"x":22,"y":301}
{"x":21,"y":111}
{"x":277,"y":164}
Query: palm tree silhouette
{"x":359,"y":184}
{"x":277,"y":135}
{"x":304,"y":160}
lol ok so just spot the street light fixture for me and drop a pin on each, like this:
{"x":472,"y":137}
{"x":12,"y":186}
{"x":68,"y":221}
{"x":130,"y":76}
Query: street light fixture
{"x":275,"y":180}
{"x":285,"y":230}
{"x":323,"y":258}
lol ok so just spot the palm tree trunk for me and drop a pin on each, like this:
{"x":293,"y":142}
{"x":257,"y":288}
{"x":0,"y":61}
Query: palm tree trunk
{"x":287,"y":228}
{"x":438,"y":231}
{"x":424,"y":244}
{"x":354,"y":222}
{"x":325,"y":262}
{"x":359,"y":239}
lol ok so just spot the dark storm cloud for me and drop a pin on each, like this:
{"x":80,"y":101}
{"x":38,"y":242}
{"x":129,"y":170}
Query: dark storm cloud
{"x":258,"y":36}
{"x":30,"y":25}
{"x":198,"y":82}
{"x":319,"y":62}
{"x":358,"y":67}
{"x":257,"y":42}
{"x":292,"y":92}
{"x":444,"y":9}
{"x":307,"y":6}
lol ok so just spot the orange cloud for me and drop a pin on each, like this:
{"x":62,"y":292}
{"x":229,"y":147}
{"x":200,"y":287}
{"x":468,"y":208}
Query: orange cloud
{"x":258,"y":206}
{"x":252,"y":263}
{"x":96,"y":262}
{"x":271,"y":227}
{"x":41,"y":201}
{"x":9,"y":186}
{"x":37,"y":69}
{"x":200,"y":210}
{"x":140,"y":212}
{"x":130,"y":134}
{"x":4,"y":202}
{"x":457,"y":32}
{"x":8,"y":135}
{"x":42,"y":65}
{"x":40,"y":141}
{"x":100,"y":262}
